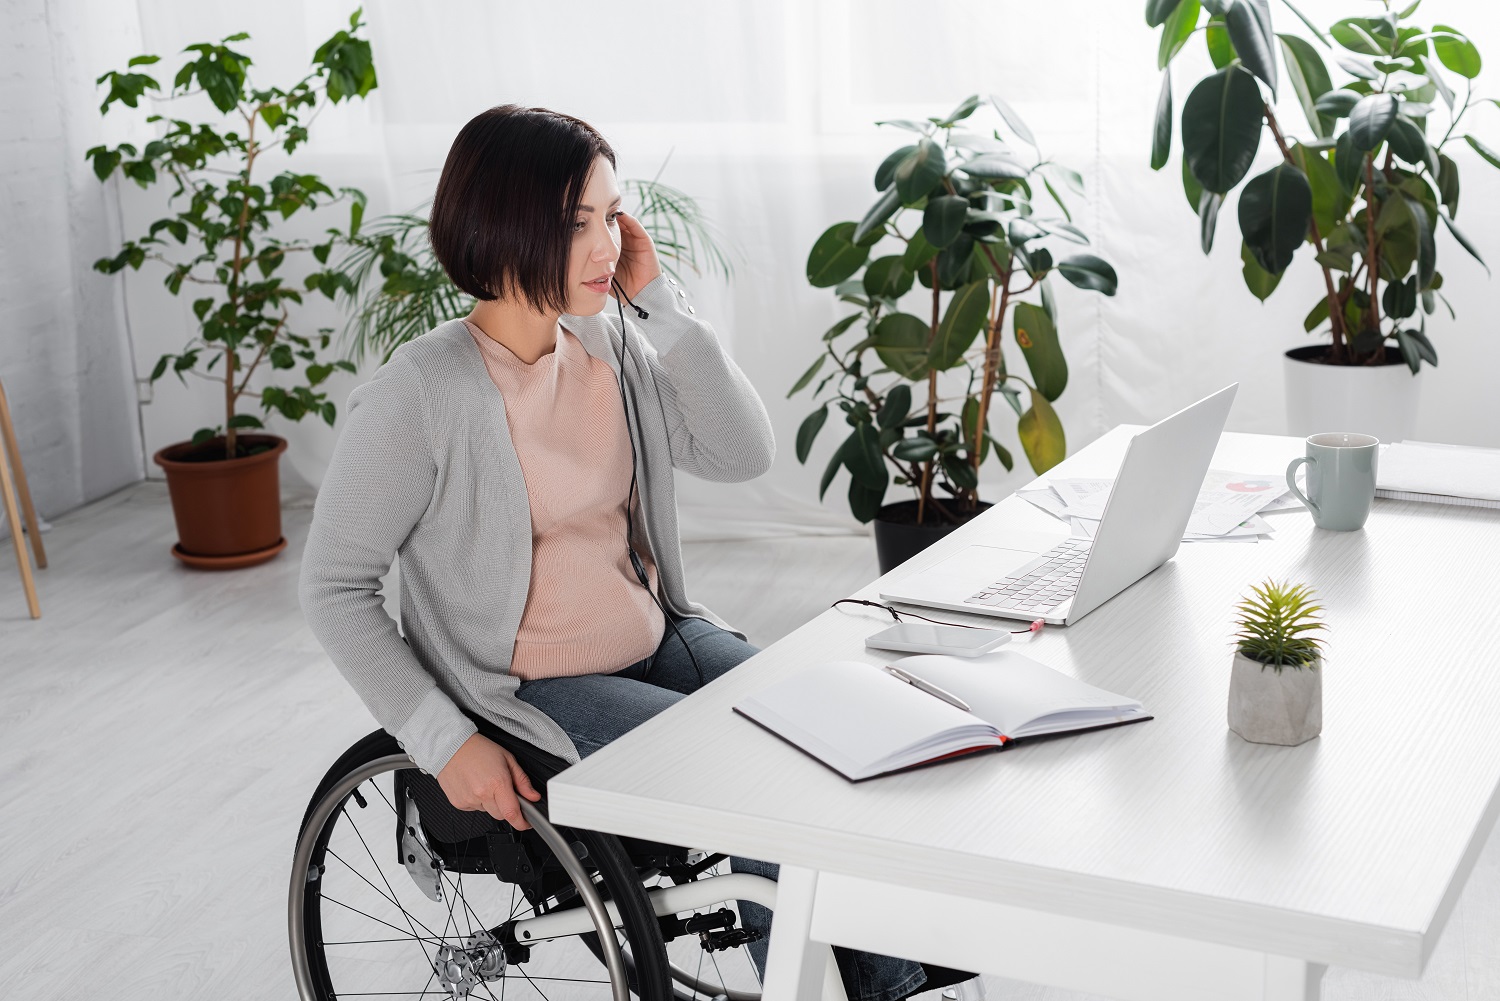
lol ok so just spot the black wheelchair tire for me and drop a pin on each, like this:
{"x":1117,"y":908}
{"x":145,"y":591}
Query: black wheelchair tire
{"x":618,"y":881}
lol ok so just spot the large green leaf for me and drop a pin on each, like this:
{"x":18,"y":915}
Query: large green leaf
{"x":1463,"y":241}
{"x":1157,"y":11}
{"x":835,"y":463}
{"x":1489,"y":156}
{"x":1309,"y":77}
{"x":1221,"y":125}
{"x":1013,"y":120}
{"x":1336,"y":103}
{"x":956,"y":262}
{"x":1177,"y":29}
{"x":865,"y":502}
{"x":896,"y":406}
{"x":1275,"y":208}
{"x":862,"y":456}
{"x":994,"y":167}
{"x":1410,"y":144}
{"x":1258,"y":280}
{"x":1216,"y":37}
{"x":1249,"y":27}
{"x":808,"y":432}
{"x":1455,"y":51}
{"x":1371,"y":120}
{"x":1191,"y":188}
{"x":835,"y":256}
{"x":887,"y":276}
{"x":968,"y":308}
{"x":920,"y":171}
{"x":1357,"y":34}
{"x":918,"y":252}
{"x":943,"y":219}
{"x":901,"y":343}
{"x":1161,"y":135}
{"x":1089,"y":272}
{"x":808,"y":376}
{"x":1037,"y":337}
{"x":1330,"y":202}
{"x":1041,"y":434}
{"x":885,"y":206}
{"x":886,"y":172}
{"x":1209,"y":203}
{"x":1348,"y":164}
{"x":1448,"y":183}
{"x":1426,"y":245}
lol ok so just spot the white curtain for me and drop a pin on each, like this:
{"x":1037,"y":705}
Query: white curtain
{"x":764,"y":112}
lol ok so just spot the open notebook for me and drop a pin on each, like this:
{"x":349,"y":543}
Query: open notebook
{"x":861,"y":721}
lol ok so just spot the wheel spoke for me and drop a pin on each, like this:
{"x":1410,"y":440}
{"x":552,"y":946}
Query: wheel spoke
{"x":404,"y":913}
{"x":378,"y":921}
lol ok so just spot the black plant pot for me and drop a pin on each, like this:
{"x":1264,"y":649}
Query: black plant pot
{"x":898,"y":537}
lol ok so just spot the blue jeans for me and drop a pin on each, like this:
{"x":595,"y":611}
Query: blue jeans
{"x":594,"y":709}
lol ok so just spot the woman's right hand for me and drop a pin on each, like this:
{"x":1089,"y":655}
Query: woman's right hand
{"x":482,"y":775}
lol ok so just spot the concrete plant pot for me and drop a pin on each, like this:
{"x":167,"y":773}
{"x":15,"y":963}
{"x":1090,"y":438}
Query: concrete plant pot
{"x":1267,"y":706}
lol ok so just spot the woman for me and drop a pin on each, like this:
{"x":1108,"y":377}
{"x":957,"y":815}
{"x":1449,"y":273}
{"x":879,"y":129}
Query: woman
{"x":541,"y":577}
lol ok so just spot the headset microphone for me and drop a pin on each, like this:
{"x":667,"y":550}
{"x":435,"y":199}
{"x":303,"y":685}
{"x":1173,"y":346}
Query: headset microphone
{"x":636,"y":563}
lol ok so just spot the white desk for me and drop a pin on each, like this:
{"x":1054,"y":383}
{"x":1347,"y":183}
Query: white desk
{"x":1168,"y":860}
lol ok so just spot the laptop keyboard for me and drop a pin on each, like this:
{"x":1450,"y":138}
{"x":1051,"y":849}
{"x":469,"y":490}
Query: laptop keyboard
{"x":1042,"y":584}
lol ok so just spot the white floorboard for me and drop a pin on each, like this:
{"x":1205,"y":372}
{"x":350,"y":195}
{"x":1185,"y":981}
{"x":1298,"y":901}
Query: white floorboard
{"x":161,"y":730}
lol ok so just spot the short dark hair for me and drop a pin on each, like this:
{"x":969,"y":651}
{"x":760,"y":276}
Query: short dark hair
{"x":509,"y":190}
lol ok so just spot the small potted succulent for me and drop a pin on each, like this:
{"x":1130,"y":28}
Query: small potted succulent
{"x":1276,"y":684}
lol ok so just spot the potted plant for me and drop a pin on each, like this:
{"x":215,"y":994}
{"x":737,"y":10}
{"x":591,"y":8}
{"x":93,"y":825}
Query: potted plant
{"x":220,"y":239}
{"x":984,"y":238}
{"x":1366,"y":187}
{"x":1276,"y":683}
{"x":395,"y":289}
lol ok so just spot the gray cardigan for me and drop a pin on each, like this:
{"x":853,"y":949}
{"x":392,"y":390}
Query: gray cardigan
{"x":424,"y":471}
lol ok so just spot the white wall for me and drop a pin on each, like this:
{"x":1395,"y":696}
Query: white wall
{"x":765,"y":109}
{"x":64,"y":355}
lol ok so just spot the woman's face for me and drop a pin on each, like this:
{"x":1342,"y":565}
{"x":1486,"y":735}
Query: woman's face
{"x":596,"y":242}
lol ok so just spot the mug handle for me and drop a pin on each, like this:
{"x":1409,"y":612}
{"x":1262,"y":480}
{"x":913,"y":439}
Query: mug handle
{"x":1291,"y":481}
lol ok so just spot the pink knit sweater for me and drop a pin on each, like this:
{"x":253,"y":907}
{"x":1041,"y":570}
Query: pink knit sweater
{"x":585,"y":611}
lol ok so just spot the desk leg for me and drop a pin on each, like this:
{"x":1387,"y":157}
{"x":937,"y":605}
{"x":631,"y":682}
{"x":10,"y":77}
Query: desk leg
{"x":1293,"y":979}
{"x":798,"y":968}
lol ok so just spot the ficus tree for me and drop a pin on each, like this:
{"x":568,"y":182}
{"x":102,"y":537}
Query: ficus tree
{"x":975,"y":223}
{"x":221,"y":235}
{"x":1365,"y":186}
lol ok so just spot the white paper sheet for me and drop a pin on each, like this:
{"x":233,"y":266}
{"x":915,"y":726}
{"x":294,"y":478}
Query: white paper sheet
{"x":1226,"y":507}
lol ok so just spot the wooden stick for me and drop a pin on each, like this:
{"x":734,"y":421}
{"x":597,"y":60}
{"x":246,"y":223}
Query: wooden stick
{"x":13,"y":517}
{"x":8,"y":430}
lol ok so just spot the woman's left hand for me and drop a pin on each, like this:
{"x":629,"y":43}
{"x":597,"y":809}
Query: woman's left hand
{"x":638,"y":265}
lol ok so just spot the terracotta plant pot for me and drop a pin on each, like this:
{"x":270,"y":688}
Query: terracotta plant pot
{"x":898,"y":537}
{"x":1271,"y":707}
{"x":228,"y":511}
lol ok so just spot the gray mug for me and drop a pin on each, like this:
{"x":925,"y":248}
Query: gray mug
{"x":1340,"y":479}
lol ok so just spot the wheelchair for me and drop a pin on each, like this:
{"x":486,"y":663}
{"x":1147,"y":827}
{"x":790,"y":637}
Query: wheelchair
{"x":394,"y":893}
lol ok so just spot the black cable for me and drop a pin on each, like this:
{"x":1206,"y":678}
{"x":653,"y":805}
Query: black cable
{"x":636,"y":563}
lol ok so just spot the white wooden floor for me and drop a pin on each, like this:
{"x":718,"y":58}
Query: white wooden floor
{"x":162,"y":728}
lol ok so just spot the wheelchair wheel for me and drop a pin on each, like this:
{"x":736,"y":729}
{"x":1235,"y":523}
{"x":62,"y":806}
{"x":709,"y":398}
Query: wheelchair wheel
{"x":376,"y":908}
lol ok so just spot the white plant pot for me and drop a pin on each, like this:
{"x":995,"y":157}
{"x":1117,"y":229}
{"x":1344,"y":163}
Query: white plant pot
{"x":1379,"y":400}
{"x":1271,"y":707}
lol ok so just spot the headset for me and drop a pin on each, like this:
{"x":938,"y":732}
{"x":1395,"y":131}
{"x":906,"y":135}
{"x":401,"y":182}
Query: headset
{"x":636,"y":563}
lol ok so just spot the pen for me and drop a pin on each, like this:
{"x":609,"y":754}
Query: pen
{"x":928,"y":687}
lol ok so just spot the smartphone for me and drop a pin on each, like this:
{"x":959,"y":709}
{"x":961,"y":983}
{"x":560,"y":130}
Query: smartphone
{"x":923,"y":637}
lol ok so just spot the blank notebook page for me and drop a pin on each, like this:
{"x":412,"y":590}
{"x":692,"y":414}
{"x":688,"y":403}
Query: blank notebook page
{"x":852,"y":714}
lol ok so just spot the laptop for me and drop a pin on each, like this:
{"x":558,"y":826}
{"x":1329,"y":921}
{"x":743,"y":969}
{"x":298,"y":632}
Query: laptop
{"x":1148,"y":508}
